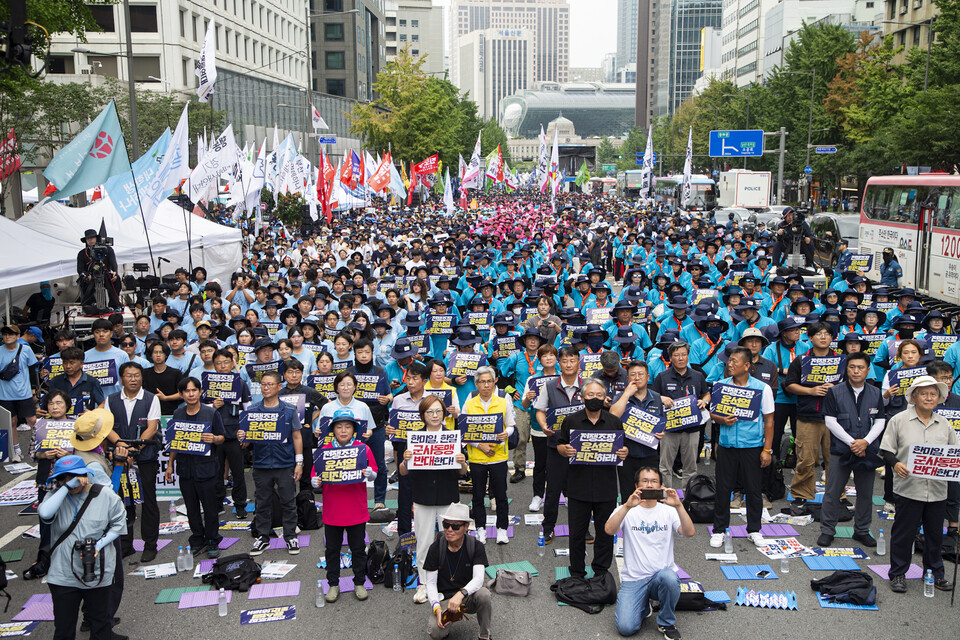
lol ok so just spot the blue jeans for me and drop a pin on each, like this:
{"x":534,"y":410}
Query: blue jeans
{"x":376,"y":446}
{"x":634,"y":598}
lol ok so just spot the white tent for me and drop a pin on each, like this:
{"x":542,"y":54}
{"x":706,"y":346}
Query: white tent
{"x":29,"y":257}
{"x":215,"y":247}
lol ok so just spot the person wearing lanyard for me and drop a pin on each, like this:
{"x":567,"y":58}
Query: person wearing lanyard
{"x":637,"y":394}
{"x":85,"y":392}
{"x":565,"y":392}
{"x":547,"y":357}
{"x":229,"y":453}
{"x":782,"y":352}
{"x":679,"y":320}
{"x":522,"y":365}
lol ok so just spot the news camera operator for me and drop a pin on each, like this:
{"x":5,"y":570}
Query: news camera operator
{"x":94,"y":259}
{"x":85,"y":519}
{"x":793,"y":225}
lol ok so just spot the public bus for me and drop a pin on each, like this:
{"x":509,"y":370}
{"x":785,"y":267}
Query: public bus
{"x":628,"y":184}
{"x":605,"y":186}
{"x":703,"y":192}
{"x":919,"y":217}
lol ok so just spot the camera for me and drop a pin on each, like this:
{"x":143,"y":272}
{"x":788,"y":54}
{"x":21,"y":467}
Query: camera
{"x":87,"y":556}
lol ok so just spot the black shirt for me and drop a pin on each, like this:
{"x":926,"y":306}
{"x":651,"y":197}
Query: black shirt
{"x":196,"y":467}
{"x":230,"y":412}
{"x":167,"y":383}
{"x":651,"y":404}
{"x":455,"y":569}
{"x":673,"y":385}
{"x":591,"y":483}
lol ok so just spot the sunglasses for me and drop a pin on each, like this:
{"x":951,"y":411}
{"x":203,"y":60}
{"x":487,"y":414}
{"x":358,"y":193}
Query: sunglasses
{"x":128,"y":344}
{"x":454,"y":526}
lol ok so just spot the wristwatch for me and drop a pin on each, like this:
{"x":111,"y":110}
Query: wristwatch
{"x":770,"y":451}
{"x":464,"y":592}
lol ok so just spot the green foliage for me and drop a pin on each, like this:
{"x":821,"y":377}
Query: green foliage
{"x":606,"y":154}
{"x":492,"y":136}
{"x":58,"y":16}
{"x":266,"y":197}
{"x":289,"y":207}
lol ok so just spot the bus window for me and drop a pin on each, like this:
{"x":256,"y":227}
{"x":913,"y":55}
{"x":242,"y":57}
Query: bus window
{"x":946,"y":212}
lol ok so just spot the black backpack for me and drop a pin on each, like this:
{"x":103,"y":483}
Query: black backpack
{"x":698,"y":498}
{"x":379,"y":566}
{"x":307,"y":516}
{"x":236,"y":573}
{"x":772,"y":477}
{"x":853,"y":587}
{"x":693,"y":598}
{"x":403,"y":559}
{"x":587,"y":594}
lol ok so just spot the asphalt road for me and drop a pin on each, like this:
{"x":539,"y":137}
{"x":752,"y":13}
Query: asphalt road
{"x":388,"y":614}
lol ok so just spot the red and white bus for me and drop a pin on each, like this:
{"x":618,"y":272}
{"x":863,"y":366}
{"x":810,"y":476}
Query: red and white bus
{"x":919,"y":217}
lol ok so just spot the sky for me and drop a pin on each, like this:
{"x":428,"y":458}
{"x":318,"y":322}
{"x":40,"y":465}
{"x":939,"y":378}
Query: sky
{"x":593,"y":31}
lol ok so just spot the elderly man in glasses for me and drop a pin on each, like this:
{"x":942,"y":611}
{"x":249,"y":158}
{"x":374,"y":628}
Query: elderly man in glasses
{"x":455,"y":571}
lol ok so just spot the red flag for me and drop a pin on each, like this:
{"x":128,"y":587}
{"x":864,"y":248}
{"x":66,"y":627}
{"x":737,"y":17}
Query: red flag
{"x":499,"y":164}
{"x":50,"y":189}
{"x":381,"y":177}
{"x":97,"y":194}
{"x":9,"y":158}
{"x":413,"y":184}
{"x":428,"y":166}
{"x":346,"y":172}
{"x":361,"y":179}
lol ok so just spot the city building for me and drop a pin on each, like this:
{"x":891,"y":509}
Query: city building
{"x":908,"y":21}
{"x":572,"y":147}
{"x":626,"y":74}
{"x":743,"y":38}
{"x":349,"y":46}
{"x":417,"y":24}
{"x":646,"y":63}
{"x":593,"y":108}
{"x":547,"y":21}
{"x":494,"y":64}
{"x":711,"y":51}
{"x":677,"y":55}
{"x":627,"y":32}
{"x":586,"y":74}
{"x":609,"y":67}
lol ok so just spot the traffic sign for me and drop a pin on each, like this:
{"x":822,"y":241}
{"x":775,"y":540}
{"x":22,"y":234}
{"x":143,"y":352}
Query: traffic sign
{"x":825,"y":149}
{"x":327,"y":140}
{"x":640,"y":158}
{"x":808,"y":170}
{"x":736,"y":144}
{"x":608,"y":167}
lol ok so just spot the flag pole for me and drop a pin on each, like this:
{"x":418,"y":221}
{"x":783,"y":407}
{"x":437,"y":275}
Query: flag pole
{"x":143,"y":218}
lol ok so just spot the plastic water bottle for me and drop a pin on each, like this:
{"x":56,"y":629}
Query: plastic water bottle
{"x":180,"y":566}
{"x":706,"y":454}
{"x":784,"y":564}
{"x":617,"y":546}
{"x":173,"y":511}
{"x":928,"y":584}
{"x":727,"y":541}
{"x":881,"y":544}
{"x":188,"y":559}
{"x":222,"y":603}
{"x":386,"y":530}
{"x":320,"y":599}
{"x":541,"y":544}
{"x":396,"y":578}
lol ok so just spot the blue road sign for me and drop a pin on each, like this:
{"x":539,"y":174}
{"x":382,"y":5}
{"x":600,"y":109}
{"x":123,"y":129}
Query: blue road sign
{"x":808,"y":170}
{"x":825,"y":149}
{"x":640,"y":158}
{"x":654,"y":157}
{"x":327,"y":140}
{"x":736,"y":144}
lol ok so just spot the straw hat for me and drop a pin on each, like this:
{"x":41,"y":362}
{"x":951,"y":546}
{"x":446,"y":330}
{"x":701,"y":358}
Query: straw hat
{"x":90,"y":429}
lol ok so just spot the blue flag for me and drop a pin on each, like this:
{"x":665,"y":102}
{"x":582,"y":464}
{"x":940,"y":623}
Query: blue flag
{"x":121,"y":189}
{"x":90,"y":158}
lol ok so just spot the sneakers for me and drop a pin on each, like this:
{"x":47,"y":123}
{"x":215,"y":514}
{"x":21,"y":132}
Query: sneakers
{"x":293,"y":546}
{"x":536,"y":504}
{"x":518,"y":476}
{"x":200,"y":550}
{"x":737,"y":501}
{"x":420,"y":596}
{"x":213,"y":551}
{"x":260,"y":545}
{"x":716,"y":540}
{"x":361,"y":592}
{"x":589,"y":539}
{"x":547,"y":537}
{"x":332,"y":594}
{"x":481,"y":535}
{"x":865,"y":539}
{"x":670,"y":633}
{"x":799,"y":507}
{"x":502,"y":536}
{"x":898,"y":584}
{"x":942,"y":584}
{"x":825,"y":540}
{"x":379,"y":506}
{"x":756,"y":539}
{"x":148,"y":555}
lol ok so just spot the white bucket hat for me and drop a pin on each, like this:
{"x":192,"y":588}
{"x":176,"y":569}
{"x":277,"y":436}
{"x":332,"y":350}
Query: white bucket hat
{"x":926,"y":381}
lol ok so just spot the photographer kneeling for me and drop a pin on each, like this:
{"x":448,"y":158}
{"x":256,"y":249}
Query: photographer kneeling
{"x":793,"y":226}
{"x":85,"y":519}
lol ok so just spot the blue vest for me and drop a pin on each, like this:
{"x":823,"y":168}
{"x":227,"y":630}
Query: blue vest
{"x":137,"y":423}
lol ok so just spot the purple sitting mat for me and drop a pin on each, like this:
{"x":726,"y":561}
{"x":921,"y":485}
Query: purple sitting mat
{"x":274,"y":590}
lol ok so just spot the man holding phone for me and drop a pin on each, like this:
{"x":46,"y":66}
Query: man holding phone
{"x":649,"y":519}
{"x":547,"y":323}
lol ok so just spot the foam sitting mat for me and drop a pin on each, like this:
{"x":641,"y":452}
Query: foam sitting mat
{"x":14,"y":555}
{"x":736,"y":531}
{"x":843,"y":532}
{"x":822,"y":563}
{"x":878,"y":501}
{"x":168,"y":596}
{"x":777,"y":531}
{"x":766,"y":599}
{"x":559,"y":573}
{"x":36,"y":611}
{"x":280,"y":543}
{"x":274,"y":590}
{"x":523,"y":565}
{"x":719,"y":597}
{"x":226,"y":543}
{"x":748,"y":572}
{"x":161,"y":543}
{"x":830,"y":604}
{"x":915,"y":572}
{"x":345,"y":583}
{"x":193,"y":599}
{"x":389,"y":504}
{"x":492,"y":533}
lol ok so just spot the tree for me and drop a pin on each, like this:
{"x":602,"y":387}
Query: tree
{"x":606,"y":154}
{"x":289,"y":207}
{"x":58,"y":16}
{"x":491,"y":136}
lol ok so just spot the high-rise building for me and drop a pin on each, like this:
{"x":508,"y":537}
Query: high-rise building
{"x":547,"y":22}
{"x":744,"y":23}
{"x":678,"y":32}
{"x":586,"y":74}
{"x":626,"y":32}
{"x":785,"y":19}
{"x":909,"y":22}
{"x":646,"y":61}
{"x":609,"y":67}
{"x":349,"y":46}
{"x":418,"y":25}
{"x":494,"y":64}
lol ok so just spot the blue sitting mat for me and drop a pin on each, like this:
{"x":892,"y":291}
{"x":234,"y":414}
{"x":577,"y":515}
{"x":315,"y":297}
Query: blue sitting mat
{"x":747,"y":572}
{"x":719,"y":597}
{"x":834,"y":563}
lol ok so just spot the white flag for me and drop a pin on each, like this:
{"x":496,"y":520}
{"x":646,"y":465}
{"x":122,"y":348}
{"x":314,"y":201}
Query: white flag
{"x":448,"y":194}
{"x":646,"y":169}
{"x":687,"y":169}
{"x":206,"y":69}
{"x":220,"y":157}
{"x":318,"y":122}
{"x":173,"y":169}
{"x":258,"y":176}
{"x":543,"y":162}
{"x":473,"y":175}
{"x":554,"y":173}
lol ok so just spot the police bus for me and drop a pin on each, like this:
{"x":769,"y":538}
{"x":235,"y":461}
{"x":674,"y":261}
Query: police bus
{"x":703,"y":192}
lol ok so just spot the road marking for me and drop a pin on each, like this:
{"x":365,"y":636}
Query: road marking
{"x":16,"y":533}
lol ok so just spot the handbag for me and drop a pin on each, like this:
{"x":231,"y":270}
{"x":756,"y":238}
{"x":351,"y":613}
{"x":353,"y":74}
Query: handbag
{"x":512,"y":583}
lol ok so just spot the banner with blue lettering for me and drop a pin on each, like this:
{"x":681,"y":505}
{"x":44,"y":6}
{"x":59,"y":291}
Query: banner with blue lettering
{"x":341,"y":465}
{"x":465,"y":364}
{"x":405,"y":422}
{"x":439,"y":325}
{"x":899,"y":380}
{"x":226,"y":386}
{"x":103,"y":371}
{"x":323,"y":383}
{"x":478,"y":428}
{"x":825,"y":370}
{"x":937,"y":344}
{"x":183,"y":436}
{"x":54,"y":434}
{"x":504,"y":346}
{"x":556,"y":415}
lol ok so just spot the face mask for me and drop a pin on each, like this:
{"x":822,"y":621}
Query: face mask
{"x":906,"y":333}
{"x":594,"y":342}
{"x":714,"y":333}
{"x":593,"y":404}
{"x":835,"y":326}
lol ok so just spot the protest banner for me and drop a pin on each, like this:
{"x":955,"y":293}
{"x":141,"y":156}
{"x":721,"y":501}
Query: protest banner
{"x":526,"y":313}
{"x":952,"y":416}
{"x":323,"y":384}
{"x":433,"y":449}
{"x":261,"y":426}
{"x":858,"y":262}
{"x":933,"y":461}
{"x":271,"y":327}
{"x":569,"y":332}
{"x":504,"y":346}
{"x":183,"y":436}
{"x":54,"y":434}
{"x":339,"y":366}
{"x":298,"y":401}
{"x":103,"y":371}
{"x":439,"y":325}
{"x":245,"y":355}
{"x":642,"y":426}
{"x":702,"y":294}
{"x":643,"y":314}
{"x":420,"y":343}
{"x":405,"y":422}
{"x":596,"y":447}
{"x":556,"y":415}
{"x":226,"y":386}
{"x":341,"y":465}
{"x":741,"y":402}
{"x":465,"y":364}
{"x":481,"y":320}
{"x":872,"y":342}
{"x":598,"y":316}
{"x":825,"y":370}
{"x":53,"y":364}
{"x":256,"y":370}
{"x":900,"y":380}
{"x":539,"y":383}
{"x":937,"y":344}
{"x":733,"y":277}
{"x":684,"y":415}
{"x":480,"y":428}
{"x":590,"y":364}
{"x":445,"y":395}
{"x":270,"y":614}
{"x":314,"y":348}
{"x":370,"y":386}
{"x":130,"y":486}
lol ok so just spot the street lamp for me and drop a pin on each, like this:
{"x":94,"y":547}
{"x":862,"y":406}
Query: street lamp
{"x":929,"y":23}
{"x":813,"y":79}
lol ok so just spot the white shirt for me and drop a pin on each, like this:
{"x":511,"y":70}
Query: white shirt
{"x":648,"y":541}
{"x":153,"y":413}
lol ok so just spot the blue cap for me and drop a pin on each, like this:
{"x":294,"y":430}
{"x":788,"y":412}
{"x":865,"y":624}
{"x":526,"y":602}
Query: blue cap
{"x":69,"y":465}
